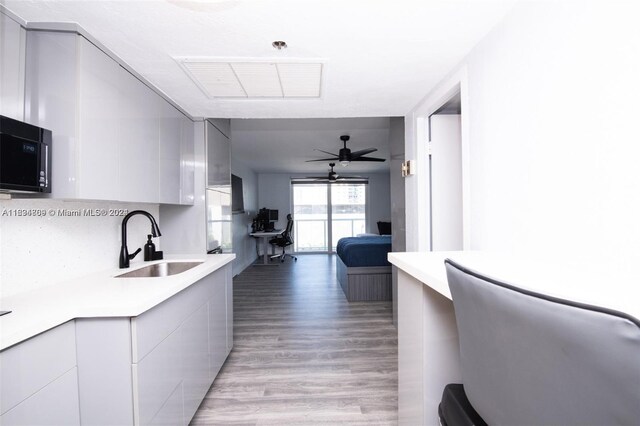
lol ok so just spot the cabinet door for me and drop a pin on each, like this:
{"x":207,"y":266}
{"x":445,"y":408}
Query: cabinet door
{"x":99,"y":107}
{"x":51,"y":101}
{"x":155,"y":325}
{"x":195,"y":360}
{"x":103,"y":347}
{"x":12,"y":62}
{"x":229,"y":306}
{"x":187,"y":165}
{"x":218,"y":159}
{"x":171,"y":413}
{"x":170,"y":154}
{"x":156,"y":377}
{"x":55,"y":404}
{"x":217,"y":322}
{"x":31,"y":365}
{"x":138,"y":166}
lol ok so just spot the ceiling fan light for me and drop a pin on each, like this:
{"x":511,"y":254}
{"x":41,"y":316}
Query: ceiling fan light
{"x":344,"y":163}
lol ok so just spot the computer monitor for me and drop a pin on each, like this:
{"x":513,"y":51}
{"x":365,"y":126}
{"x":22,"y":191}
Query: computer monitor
{"x":273,"y":214}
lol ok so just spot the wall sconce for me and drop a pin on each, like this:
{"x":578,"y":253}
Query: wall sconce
{"x":408,"y":168}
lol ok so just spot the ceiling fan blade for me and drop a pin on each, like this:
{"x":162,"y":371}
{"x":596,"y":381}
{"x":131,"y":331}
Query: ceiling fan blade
{"x":326,"y":152}
{"x":367,"y":159}
{"x":363,"y":152}
{"x":322,"y":159}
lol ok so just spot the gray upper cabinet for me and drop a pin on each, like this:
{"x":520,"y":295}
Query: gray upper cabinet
{"x":99,"y":115}
{"x":218,"y":158}
{"x":12,"y":60}
{"x":51,"y":102}
{"x":114,"y":138}
{"x":138,"y":166}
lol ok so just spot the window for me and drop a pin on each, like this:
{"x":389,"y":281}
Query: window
{"x":324,"y":213}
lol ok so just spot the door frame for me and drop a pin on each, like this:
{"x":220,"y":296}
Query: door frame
{"x":456,"y":83}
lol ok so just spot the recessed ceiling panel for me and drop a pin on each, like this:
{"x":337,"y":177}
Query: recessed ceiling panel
{"x":215,"y":79}
{"x":300,"y":80}
{"x":259,"y":79}
{"x":253,"y":78}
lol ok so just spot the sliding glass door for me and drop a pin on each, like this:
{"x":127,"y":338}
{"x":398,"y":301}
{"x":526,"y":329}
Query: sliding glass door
{"x":324,"y":213}
{"x":348,"y":211}
{"x":310,"y":207}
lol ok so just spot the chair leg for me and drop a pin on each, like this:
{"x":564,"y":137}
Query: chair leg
{"x":295,"y":259}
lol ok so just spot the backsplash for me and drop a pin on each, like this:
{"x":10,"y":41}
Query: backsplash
{"x":44,"y":241}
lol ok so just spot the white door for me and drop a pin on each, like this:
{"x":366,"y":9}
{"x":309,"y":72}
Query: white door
{"x":446,"y":182}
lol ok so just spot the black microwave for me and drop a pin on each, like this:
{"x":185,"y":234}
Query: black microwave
{"x":25,"y":157}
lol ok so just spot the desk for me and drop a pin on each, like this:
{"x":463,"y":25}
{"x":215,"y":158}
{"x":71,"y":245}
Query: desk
{"x":266,"y":236}
{"x":428,"y":349}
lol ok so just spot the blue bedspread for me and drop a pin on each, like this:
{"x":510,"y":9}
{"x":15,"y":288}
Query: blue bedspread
{"x":364,"y":251}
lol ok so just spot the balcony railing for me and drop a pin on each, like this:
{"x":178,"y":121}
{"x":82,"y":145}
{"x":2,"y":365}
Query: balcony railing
{"x":310,"y":235}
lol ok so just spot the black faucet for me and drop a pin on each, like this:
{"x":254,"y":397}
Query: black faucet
{"x":124,"y":252}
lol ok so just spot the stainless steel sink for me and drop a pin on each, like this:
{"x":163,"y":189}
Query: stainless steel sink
{"x":163,"y":269}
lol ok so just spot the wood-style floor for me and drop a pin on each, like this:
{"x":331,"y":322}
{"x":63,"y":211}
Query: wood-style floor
{"x":302,"y":354}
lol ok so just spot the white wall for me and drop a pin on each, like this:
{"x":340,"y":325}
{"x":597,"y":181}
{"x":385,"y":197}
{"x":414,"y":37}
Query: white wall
{"x":274,"y":192}
{"x":244,"y":246}
{"x":552,"y":114}
{"x":38,"y":251}
{"x":379,"y":200}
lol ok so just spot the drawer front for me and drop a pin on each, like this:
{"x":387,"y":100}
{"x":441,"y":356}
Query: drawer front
{"x":171,"y":412}
{"x":156,"y":377}
{"x":229,"y":306}
{"x":153,"y":326}
{"x":195,"y":360}
{"x":217,"y":328}
{"x":56,"y":404}
{"x":31,"y":365}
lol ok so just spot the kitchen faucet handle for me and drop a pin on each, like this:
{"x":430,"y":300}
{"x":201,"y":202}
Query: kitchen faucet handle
{"x":135,"y":253}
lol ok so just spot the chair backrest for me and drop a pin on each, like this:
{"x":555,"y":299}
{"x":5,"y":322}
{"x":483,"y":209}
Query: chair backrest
{"x":532,"y":359}
{"x":287,"y":231}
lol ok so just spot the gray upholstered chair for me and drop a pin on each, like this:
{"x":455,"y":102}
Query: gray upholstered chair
{"x":532,"y":359}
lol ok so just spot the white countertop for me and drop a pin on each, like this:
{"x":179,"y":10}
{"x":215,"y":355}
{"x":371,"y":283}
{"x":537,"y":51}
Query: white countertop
{"x":97,"y":295}
{"x":611,"y":285}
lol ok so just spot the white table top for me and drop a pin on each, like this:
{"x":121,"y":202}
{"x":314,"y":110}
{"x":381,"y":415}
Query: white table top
{"x":97,"y":295}
{"x":599,"y":283}
{"x":266,"y":233}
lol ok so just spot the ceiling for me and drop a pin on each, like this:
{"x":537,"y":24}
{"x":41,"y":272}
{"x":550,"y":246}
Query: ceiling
{"x":379,"y":57}
{"x":284,"y":145}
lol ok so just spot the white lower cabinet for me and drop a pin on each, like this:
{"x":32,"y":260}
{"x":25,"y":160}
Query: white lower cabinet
{"x":153,"y":369}
{"x":156,"y":376}
{"x":217,"y":324}
{"x":171,"y":413}
{"x":174,"y":349}
{"x":55,"y":404}
{"x":228,"y":279}
{"x":39,"y":380}
{"x":195,"y":361}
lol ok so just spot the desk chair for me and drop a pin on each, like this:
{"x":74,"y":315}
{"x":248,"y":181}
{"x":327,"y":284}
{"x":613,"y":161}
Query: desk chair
{"x":532,"y":359}
{"x":284,"y":240}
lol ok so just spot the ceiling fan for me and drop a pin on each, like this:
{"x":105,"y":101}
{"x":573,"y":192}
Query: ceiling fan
{"x":345,"y":156}
{"x":335,"y":177}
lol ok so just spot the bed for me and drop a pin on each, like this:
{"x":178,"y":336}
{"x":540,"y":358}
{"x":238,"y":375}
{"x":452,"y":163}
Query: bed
{"x":362,"y":268}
